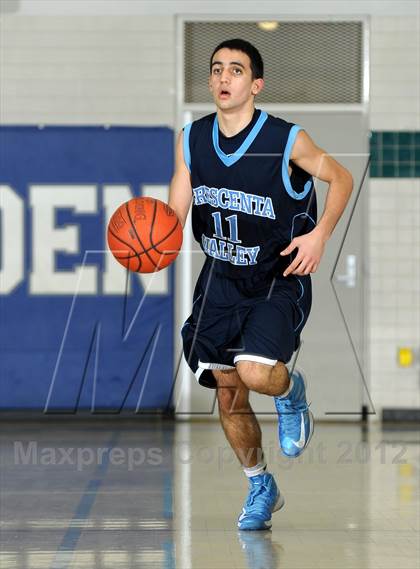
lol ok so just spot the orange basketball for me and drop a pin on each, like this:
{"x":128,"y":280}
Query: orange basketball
{"x":144,"y":235}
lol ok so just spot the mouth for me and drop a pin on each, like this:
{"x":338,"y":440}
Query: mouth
{"x":224,"y":94}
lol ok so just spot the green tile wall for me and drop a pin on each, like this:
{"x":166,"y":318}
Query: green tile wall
{"x":395,"y":154}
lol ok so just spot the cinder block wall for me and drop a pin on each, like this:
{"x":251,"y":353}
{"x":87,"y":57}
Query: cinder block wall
{"x":394,"y":209}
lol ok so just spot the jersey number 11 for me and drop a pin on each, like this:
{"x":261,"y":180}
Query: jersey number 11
{"x":233,"y":227}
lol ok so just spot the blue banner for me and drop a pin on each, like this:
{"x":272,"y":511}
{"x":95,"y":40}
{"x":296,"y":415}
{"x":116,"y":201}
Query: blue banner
{"x":77,"y":331}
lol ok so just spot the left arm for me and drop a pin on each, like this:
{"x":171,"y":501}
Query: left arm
{"x":321,"y":165}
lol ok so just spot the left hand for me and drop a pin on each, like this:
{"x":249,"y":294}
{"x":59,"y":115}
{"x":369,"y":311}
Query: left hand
{"x":310,"y":249}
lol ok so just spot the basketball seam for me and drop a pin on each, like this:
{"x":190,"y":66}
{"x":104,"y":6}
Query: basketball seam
{"x":138,"y":238}
{"x":155,"y":245}
{"x":166,"y":237}
{"x":152,"y":225}
{"x":129,"y":246}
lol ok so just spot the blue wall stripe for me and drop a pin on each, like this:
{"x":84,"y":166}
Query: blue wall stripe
{"x":395,"y":154}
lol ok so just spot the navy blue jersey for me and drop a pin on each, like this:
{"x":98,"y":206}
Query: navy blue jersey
{"x":246,"y":208}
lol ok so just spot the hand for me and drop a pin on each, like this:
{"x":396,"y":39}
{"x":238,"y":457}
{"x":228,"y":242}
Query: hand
{"x":310,"y":249}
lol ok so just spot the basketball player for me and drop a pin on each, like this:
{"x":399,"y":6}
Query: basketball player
{"x":249,"y":177}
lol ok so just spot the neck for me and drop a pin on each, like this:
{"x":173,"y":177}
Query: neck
{"x":230,"y":123}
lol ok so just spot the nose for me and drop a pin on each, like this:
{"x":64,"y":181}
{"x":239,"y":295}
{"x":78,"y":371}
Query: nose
{"x":225,"y":76}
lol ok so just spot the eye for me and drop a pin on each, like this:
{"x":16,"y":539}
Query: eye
{"x":216,"y":70}
{"x":237,"y":71}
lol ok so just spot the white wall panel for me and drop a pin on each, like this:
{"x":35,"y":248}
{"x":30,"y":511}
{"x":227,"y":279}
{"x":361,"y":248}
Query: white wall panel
{"x":395,"y":61}
{"x":394,"y":273}
{"x":68,"y":7}
{"x":64,"y":70}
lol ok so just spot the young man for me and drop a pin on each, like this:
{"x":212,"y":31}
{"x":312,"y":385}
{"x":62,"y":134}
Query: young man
{"x":249,"y":176}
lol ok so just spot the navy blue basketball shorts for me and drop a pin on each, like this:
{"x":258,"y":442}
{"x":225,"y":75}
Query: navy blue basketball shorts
{"x":257,"y":319}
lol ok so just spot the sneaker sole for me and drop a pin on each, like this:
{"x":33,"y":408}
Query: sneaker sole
{"x":311,"y":417}
{"x":267,"y":525}
{"x":311,"y":432}
{"x":279,"y":503}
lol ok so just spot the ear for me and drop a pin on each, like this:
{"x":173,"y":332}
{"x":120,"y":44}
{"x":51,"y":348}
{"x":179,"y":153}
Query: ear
{"x":257,"y":86}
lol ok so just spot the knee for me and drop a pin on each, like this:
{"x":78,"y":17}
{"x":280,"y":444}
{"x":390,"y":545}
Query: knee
{"x":231,"y":395}
{"x":255,"y":376}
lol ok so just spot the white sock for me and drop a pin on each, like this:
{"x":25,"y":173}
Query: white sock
{"x":259,"y":468}
{"x":288,"y":390}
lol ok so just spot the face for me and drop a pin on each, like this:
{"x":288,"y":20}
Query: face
{"x":230,"y":80}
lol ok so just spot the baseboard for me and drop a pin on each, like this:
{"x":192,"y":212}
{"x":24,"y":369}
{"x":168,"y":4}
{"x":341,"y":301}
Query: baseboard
{"x":396,"y":415}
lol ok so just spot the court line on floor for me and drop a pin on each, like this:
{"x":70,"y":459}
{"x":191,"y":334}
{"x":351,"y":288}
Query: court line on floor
{"x":65,"y":551}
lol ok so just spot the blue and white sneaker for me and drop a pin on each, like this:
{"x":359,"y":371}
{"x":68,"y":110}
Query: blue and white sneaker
{"x":263,"y":499}
{"x":296,"y":422}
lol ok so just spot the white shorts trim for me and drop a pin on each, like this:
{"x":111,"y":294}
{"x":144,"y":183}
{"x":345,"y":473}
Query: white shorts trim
{"x":207,"y":365}
{"x":198,"y":372}
{"x":252,"y":358}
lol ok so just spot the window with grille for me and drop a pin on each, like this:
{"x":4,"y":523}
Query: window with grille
{"x":306,"y":62}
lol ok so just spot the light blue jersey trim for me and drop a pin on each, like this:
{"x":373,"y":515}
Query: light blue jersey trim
{"x":187,"y":153}
{"x":302,"y":316}
{"x":284,"y":169}
{"x":230,"y":159}
{"x":292,"y":230}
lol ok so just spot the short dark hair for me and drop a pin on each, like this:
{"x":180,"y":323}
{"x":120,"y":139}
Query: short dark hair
{"x":257,"y":64}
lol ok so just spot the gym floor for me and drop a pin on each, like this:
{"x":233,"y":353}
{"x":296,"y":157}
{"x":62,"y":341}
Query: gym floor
{"x":108,"y":494}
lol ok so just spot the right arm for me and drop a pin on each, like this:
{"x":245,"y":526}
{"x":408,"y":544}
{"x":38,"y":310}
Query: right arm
{"x":180,"y":190}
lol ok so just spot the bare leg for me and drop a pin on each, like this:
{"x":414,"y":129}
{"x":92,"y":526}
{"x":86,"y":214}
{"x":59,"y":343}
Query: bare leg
{"x":263,"y":378}
{"x":237,"y":417}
